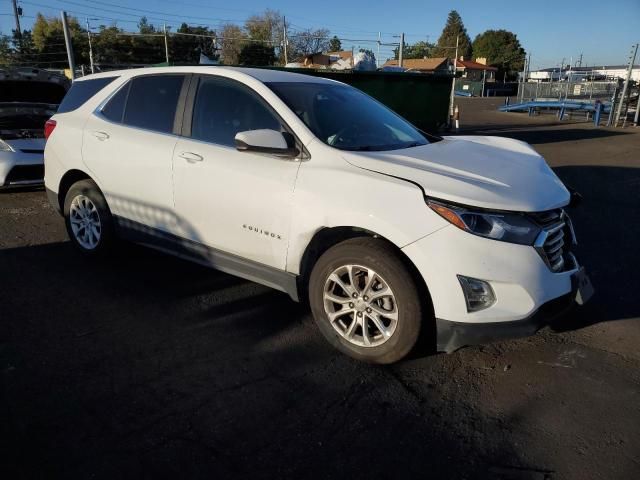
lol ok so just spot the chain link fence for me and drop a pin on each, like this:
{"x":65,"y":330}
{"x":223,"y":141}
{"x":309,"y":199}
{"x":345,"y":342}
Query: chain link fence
{"x":579,"y":90}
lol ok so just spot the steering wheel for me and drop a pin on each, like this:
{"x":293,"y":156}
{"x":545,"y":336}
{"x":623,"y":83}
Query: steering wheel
{"x":337,"y":136}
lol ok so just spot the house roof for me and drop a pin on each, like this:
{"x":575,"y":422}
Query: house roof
{"x":471,"y":65}
{"x":419,"y":63}
{"x":344,"y":54}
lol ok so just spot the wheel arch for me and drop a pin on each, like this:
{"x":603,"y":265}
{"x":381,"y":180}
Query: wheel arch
{"x":327,"y":237}
{"x":67,"y":180}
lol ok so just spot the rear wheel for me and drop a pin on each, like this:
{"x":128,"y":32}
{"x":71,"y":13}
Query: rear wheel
{"x":365,"y":301}
{"x":88,"y":219}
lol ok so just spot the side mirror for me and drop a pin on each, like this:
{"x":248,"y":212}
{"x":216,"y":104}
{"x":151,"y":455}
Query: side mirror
{"x":267,"y":141}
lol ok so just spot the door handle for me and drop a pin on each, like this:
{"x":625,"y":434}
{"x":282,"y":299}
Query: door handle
{"x":100,"y":135}
{"x":191,"y":157}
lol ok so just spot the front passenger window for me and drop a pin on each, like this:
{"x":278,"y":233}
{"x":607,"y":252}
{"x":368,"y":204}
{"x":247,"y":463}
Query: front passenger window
{"x":223,"y":108}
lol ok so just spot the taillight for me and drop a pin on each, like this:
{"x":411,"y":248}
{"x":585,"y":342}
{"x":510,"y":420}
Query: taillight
{"x":48,"y":128}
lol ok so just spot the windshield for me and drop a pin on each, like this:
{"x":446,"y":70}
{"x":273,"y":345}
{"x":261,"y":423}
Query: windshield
{"x":346,"y":118}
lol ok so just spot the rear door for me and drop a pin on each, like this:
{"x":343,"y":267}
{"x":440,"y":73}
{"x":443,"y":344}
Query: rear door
{"x":236,"y":202}
{"x":128,"y":146}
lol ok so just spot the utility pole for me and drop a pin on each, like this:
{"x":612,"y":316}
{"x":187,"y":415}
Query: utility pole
{"x":453,"y":81}
{"x":580,"y":61}
{"x":284,"y":39}
{"x":401,"y":50}
{"x":378,"y":56}
{"x":522,"y":79}
{"x":16,"y":13}
{"x":90,"y":47}
{"x":67,"y":41}
{"x":484,"y":80}
{"x":166,"y":43}
{"x":566,"y":94}
{"x":632,"y":60}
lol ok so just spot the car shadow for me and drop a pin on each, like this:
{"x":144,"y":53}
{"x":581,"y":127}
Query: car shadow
{"x":608,"y":230}
{"x":146,"y":365}
{"x":542,"y":134}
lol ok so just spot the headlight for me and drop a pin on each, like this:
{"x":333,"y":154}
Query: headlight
{"x":504,"y":226}
{"x":5,"y":147}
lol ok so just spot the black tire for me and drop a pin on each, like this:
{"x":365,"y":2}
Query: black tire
{"x":381,"y":257}
{"x":106,"y":240}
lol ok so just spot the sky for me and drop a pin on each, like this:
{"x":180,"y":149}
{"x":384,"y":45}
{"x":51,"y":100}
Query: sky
{"x":602,"y":32}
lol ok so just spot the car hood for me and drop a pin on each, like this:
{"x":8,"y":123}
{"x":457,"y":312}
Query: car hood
{"x":488,"y":172}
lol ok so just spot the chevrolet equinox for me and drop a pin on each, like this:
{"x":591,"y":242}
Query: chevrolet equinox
{"x":311,"y":187}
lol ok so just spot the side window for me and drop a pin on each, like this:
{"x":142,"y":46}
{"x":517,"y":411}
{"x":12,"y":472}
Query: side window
{"x":152,"y":102}
{"x":223,"y":108}
{"x":114,"y":108}
{"x":81,"y":91}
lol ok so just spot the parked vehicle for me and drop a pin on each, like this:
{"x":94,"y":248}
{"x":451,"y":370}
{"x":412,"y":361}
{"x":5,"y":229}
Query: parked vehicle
{"x":311,"y":187}
{"x":28,"y":98}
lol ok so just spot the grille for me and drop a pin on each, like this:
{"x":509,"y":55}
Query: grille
{"x":25,"y":173}
{"x":555,"y":239}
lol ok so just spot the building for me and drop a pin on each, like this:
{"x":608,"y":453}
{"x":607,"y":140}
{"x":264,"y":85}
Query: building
{"x":605,"y":72}
{"x":477,"y":70}
{"x":336,"y":60}
{"x":424,"y":65}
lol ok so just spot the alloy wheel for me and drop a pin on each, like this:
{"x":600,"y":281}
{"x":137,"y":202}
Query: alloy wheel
{"x":360,"y":305}
{"x":85,"y":222}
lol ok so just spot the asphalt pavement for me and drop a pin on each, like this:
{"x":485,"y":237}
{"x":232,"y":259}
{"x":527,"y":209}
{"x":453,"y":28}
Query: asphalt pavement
{"x":145,"y":366}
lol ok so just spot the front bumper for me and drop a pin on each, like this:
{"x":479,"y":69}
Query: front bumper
{"x":527,"y":292}
{"x":21,"y":169}
{"x":455,"y":335}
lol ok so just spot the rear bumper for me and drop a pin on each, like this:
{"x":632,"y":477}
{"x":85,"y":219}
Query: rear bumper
{"x":455,"y":335}
{"x":53,"y":200}
{"x":21,"y":169}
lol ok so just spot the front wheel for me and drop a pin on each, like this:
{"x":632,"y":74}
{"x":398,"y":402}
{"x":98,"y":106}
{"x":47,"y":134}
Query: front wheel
{"x":365,"y":301}
{"x":88,"y":219}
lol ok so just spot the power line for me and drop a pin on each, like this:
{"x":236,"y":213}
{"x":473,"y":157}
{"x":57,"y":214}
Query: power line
{"x":124,"y":7}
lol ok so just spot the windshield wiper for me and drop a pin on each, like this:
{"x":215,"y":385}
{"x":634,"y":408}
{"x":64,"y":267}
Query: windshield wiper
{"x":413,"y":144}
{"x":382,"y":148}
{"x":362,"y":148}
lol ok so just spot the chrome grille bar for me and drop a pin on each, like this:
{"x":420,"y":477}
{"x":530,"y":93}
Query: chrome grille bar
{"x":550,"y":244}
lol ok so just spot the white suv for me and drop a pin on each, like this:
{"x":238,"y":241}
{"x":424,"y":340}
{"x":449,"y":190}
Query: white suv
{"x":311,"y":187}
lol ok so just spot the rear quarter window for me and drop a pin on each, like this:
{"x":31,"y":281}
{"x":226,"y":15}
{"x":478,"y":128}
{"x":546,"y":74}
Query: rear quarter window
{"x":114,"y":109}
{"x":82,"y":91}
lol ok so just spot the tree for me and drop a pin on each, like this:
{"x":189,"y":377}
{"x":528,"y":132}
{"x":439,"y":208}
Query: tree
{"x":417,"y":50}
{"x":335,"y":45}
{"x":307,"y":42}
{"x":145,"y":27}
{"x":6,"y":51}
{"x":186,"y":48}
{"x":502,"y":49}
{"x":48,"y":49}
{"x":232,"y":39}
{"x":268,"y":28}
{"x":453,"y":29}
{"x":257,"y":55}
